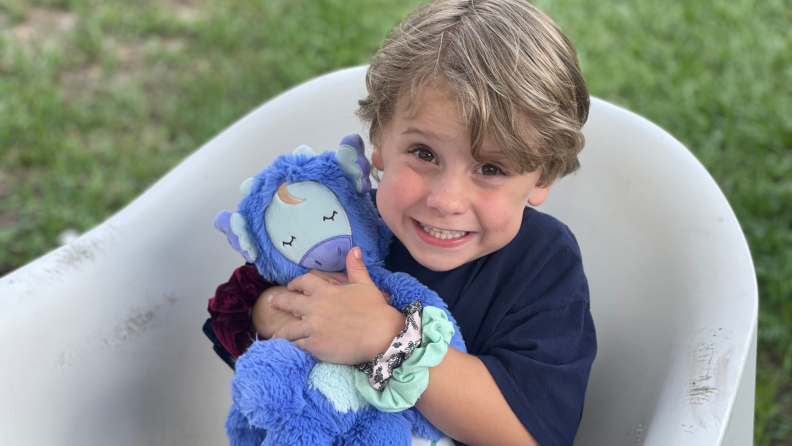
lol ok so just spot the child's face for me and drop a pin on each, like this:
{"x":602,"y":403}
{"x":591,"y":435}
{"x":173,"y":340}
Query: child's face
{"x":446,"y":207}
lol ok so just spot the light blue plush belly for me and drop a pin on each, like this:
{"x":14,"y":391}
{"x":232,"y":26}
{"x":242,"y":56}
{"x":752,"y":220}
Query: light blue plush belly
{"x":337,"y":383}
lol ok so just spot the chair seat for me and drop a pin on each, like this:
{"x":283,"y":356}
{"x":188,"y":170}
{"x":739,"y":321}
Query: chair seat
{"x":101,"y":338}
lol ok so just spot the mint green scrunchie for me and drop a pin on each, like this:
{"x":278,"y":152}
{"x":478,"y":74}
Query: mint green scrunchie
{"x":410,"y":380}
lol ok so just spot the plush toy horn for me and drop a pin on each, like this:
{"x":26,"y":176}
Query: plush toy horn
{"x":351,"y":155}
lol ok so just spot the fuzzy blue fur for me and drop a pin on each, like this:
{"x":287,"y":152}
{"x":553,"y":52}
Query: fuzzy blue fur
{"x":274,"y":403}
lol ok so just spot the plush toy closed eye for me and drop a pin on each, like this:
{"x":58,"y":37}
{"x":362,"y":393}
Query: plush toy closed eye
{"x":303,"y":212}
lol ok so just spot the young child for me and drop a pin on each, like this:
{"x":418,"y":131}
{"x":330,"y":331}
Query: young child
{"x":475,"y":108}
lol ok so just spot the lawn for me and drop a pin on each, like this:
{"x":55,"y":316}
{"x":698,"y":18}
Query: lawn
{"x":99,"y":98}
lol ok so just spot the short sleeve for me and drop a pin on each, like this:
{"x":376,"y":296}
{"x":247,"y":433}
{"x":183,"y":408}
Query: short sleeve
{"x":542,"y":349}
{"x":542,"y":368}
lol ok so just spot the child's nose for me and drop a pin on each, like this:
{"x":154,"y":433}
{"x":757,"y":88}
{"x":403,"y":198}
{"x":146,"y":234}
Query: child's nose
{"x":449,"y":196}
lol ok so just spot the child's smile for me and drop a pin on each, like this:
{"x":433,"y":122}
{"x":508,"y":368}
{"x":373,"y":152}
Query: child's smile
{"x":445,"y":206}
{"x":442,"y":237}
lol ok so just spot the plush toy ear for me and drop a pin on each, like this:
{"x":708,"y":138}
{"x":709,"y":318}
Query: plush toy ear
{"x":304,"y":150}
{"x":236,"y":230}
{"x":351,"y":156}
{"x":246,"y":187}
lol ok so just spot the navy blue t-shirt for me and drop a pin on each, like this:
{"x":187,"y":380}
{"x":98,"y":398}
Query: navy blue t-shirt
{"x":524,"y":311}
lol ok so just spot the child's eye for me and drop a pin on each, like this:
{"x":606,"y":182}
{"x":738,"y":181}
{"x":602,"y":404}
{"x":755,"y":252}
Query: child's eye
{"x":490,"y":170}
{"x":424,"y":155}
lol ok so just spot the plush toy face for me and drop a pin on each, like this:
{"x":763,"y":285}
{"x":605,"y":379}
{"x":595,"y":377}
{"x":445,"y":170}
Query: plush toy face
{"x":307,"y":224}
{"x":307,"y":211}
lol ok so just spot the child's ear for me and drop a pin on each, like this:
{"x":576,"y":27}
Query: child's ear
{"x":538,"y":195}
{"x":376,"y":159}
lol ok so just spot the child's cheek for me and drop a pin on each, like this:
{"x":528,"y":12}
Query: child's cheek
{"x":403,"y":187}
{"x":393,"y":197}
{"x":500,"y":215}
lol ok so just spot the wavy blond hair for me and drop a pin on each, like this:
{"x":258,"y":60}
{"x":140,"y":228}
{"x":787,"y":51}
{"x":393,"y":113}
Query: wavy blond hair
{"x":513,"y":73}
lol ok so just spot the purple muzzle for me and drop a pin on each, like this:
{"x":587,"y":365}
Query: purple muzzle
{"x":329,"y":254}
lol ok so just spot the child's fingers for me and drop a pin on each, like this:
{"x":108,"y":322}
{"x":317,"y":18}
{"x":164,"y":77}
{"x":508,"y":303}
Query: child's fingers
{"x":331,"y":278}
{"x":356,"y":269}
{"x":292,"y":332}
{"x":294,"y":303}
{"x":339,"y":277}
{"x":307,"y":284}
{"x":303,"y":344}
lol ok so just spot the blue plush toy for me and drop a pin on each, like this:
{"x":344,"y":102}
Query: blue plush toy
{"x":305,"y":212}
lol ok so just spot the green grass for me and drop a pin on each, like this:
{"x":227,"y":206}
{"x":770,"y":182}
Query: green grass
{"x":99,"y":99}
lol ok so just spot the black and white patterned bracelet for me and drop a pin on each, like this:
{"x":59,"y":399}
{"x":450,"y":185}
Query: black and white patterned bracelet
{"x":380,"y":370}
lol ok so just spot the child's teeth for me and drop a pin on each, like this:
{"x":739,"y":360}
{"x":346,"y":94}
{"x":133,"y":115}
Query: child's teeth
{"x":442,"y":234}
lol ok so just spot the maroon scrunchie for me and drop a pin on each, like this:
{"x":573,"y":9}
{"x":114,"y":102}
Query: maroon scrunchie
{"x":230,"y":305}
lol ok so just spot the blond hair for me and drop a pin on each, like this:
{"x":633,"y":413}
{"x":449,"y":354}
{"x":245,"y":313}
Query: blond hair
{"x":513,"y":73}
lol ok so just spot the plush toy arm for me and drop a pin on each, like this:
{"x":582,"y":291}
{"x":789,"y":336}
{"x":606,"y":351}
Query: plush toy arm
{"x":380,"y":428}
{"x":239,"y":430}
{"x":384,"y":237}
{"x":270,"y":380}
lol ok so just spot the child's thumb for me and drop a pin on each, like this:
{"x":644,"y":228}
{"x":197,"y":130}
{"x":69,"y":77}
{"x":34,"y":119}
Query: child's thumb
{"x":356,"y":269}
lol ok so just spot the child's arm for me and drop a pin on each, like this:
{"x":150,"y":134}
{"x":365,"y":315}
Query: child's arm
{"x":229,"y":310}
{"x":236,"y":313}
{"x":473,"y":414}
{"x":339,"y":320}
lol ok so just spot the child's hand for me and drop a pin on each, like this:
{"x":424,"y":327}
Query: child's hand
{"x":342,"y":323}
{"x":266,"y":319}
{"x":341,"y":279}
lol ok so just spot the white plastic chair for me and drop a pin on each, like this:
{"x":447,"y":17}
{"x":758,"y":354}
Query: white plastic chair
{"x":101,"y":343}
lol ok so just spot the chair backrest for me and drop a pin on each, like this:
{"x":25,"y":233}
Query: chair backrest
{"x":673,"y":289}
{"x":101,"y":340}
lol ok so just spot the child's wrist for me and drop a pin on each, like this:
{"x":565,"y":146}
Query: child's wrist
{"x":392,"y":323}
{"x":395,"y":383}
